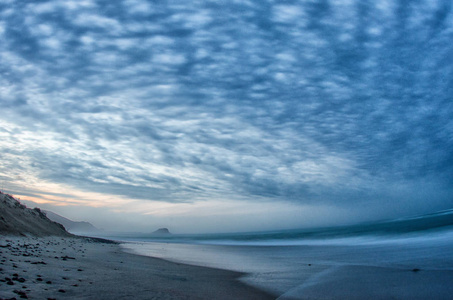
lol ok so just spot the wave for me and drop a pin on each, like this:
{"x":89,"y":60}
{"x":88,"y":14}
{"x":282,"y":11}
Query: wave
{"x":427,"y":226}
{"x":286,"y":262}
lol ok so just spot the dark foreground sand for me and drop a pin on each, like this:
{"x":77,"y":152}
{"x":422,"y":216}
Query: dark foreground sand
{"x":75,"y":268}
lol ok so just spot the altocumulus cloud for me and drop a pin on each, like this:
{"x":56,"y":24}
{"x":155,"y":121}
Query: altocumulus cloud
{"x":338,"y":103}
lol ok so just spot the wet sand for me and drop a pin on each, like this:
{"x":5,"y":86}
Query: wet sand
{"x":367,"y":282}
{"x":417,"y":268}
{"x":77,"y":268}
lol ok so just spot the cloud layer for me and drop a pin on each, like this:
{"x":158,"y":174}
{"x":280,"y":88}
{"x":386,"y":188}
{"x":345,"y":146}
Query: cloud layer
{"x":339,"y":103}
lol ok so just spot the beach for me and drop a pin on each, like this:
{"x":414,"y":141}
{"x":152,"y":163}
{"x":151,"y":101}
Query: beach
{"x":417,"y":265}
{"x":409,"y":258}
{"x":92,"y":268}
{"x":86,"y":268}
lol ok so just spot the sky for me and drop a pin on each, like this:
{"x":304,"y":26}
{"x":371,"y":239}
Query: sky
{"x":207,"y":116}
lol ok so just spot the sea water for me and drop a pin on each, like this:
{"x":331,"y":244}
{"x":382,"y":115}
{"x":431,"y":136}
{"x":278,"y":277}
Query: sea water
{"x":284,"y":262}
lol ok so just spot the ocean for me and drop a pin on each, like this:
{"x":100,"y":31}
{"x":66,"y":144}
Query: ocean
{"x":295,"y":263}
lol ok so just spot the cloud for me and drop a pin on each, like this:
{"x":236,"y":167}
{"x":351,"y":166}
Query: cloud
{"x":328,"y":103}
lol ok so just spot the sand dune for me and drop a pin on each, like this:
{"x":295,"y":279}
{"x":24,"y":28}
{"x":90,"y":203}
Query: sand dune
{"x":17,"y":219}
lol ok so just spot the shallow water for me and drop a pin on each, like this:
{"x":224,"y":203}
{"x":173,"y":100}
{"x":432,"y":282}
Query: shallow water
{"x":281,"y":268}
{"x":289,"y":262}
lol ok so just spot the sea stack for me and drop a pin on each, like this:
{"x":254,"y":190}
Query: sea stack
{"x":162,"y":231}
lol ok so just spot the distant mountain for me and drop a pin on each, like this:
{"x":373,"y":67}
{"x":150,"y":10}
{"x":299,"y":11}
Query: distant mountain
{"x":162,"y":231}
{"x":71,"y":226}
{"x":17,"y":219}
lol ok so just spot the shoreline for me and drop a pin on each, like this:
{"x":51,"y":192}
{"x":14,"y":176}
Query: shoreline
{"x":418,"y":269}
{"x":91,"y":268}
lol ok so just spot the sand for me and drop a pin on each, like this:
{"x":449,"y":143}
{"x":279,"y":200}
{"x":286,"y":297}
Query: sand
{"x":17,"y":219}
{"x":78,"y":268}
{"x":351,"y":282}
{"x":84,"y":268}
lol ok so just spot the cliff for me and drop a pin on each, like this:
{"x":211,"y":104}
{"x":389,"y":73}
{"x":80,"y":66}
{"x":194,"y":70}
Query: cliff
{"x":76,"y":227}
{"x":17,"y":219}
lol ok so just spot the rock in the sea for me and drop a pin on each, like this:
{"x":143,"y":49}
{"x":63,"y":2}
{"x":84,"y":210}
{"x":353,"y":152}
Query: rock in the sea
{"x":162,"y":231}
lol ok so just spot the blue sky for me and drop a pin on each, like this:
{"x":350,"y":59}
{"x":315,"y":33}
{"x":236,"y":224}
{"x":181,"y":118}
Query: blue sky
{"x":227,"y":114}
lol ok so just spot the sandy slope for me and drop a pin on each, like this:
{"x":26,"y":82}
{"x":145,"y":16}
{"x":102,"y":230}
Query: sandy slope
{"x":17,"y":219}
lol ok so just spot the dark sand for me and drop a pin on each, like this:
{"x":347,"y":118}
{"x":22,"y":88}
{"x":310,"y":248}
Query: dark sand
{"x":74,"y":268}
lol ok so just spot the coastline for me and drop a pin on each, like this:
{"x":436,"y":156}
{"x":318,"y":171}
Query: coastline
{"x":94,"y":268}
{"x":415,"y":267}
{"x":88,"y":268}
